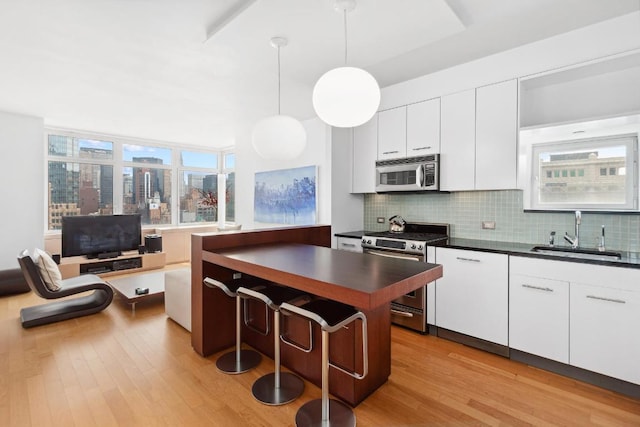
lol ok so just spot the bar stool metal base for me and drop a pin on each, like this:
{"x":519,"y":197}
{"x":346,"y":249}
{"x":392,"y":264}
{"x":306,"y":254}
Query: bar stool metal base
{"x":229,"y":363}
{"x":310,"y":414}
{"x":265,"y":391}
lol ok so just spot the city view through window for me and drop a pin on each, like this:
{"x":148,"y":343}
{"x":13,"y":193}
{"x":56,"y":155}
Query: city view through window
{"x":81,"y":181}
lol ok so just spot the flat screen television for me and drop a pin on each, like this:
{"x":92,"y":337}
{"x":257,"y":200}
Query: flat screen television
{"x":100,"y":236}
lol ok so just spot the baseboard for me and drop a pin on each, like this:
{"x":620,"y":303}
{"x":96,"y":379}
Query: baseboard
{"x":609,"y":383}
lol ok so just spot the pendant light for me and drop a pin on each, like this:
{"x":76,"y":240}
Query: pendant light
{"x":346,"y":96}
{"x":279,"y":137}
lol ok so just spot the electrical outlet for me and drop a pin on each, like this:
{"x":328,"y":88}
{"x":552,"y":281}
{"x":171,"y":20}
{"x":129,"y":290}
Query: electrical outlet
{"x":380,"y":220}
{"x":488,"y":225}
{"x":237,"y":275}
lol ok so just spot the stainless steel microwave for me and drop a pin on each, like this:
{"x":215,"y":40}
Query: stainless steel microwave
{"x":408,"y":174}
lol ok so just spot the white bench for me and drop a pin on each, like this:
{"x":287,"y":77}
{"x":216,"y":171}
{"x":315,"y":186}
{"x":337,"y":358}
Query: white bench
{"x":177,"y":296}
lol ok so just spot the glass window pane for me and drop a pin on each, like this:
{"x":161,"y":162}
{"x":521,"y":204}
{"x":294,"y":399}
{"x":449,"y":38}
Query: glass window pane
{"x":78,"y":189}
{"x":597,"y":181}
{"x":199,"y":159}
{"x":147,"y":191}
{"x":229,"y":161}
{"x":80,"y":148}
{"x":198,"y":197}
{"x":60,"y":145}
{"x":93,"y":149}
{"x":230,"y":211}
{"x":146,"y":154}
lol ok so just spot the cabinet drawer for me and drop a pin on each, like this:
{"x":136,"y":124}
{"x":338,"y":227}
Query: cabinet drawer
{"x":349,"y":244}
{"x":539,"y":316}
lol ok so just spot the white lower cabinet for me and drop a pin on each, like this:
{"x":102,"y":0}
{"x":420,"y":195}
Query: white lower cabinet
{"x":585,"y":315}
{"x":472,"y":295}
{"x":604,"y":330}
{"x":351,"y":244}
{"x":538,"y":313}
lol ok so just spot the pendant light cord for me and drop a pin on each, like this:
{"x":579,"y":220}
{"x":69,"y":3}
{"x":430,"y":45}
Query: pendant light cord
{"x":345,"y":36}
{"x":278,"y":80}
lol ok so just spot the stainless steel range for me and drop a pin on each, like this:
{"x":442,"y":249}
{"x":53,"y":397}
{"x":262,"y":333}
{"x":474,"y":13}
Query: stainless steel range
{"x":409,"y":310}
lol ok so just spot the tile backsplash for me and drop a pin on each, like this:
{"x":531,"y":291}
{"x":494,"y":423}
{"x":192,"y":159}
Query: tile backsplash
{"x":466,"y":211}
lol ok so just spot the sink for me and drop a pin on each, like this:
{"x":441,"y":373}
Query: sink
{"x":578,"y":253}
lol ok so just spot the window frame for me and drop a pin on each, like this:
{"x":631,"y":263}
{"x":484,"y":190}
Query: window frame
{"x":118,"y":163}
{"x":630,"y":141}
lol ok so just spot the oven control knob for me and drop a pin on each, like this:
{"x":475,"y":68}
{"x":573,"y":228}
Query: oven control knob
{"x":364,"y":241}
{"x":419,"y":247}
{"x":413,"y":246}
{"x":369,"y":242}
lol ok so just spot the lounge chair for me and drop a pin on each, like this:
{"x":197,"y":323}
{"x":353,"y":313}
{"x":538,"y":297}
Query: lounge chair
{"x":95,"y":302}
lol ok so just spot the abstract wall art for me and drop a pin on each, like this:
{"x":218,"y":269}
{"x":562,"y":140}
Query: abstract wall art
{"x":286,"y":196}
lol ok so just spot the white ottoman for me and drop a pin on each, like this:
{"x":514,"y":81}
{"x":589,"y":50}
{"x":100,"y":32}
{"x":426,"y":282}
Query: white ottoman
{"x":177,"y":296}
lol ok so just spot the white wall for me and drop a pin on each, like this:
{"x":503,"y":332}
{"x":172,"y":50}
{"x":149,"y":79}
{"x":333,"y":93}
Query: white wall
{"x":21,"y":186}
{"x":248,"y":162}
{"x":347,"y":210}
{"x":609,"y":37}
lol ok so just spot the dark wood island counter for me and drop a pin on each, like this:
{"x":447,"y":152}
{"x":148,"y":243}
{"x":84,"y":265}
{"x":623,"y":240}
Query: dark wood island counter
{"x":306,"y":263}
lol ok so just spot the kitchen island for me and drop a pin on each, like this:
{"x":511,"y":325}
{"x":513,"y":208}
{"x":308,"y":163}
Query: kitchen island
{"x":300,"y":258}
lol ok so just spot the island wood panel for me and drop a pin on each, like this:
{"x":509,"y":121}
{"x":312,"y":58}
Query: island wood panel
{"x":369,"y":283}
{"x":345,"y":345}
{"x":208,"y":320}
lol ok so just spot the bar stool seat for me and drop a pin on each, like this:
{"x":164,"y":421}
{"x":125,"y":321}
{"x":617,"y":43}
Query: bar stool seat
{"x":331,"y":316}
{"x":276,"y":388}
{"x":240,"y":360}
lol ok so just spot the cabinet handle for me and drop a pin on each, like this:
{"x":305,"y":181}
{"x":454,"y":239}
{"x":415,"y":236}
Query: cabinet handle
{"x":389,"y":152}
{"x":540,"y":288}
{"x":349,"y":244}
{"x":421,"y":148}
{"x":401,"y":313}
{"x":467,"y":259}
{"x":619,"y":301}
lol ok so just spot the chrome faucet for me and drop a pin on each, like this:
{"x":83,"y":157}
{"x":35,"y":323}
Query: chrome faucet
{"x":575,"y":241}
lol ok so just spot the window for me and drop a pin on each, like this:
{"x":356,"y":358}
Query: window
{"x":81,"y":180}
{"x":601,"y":181}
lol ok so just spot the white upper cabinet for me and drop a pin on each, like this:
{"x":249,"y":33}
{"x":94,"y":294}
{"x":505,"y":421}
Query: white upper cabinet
{"x":457,"y":141}
{"x":365,"y":150}
{"x":423,"y":128}
{"x":392,"y":134}
{"x":496,"y":136}
{"x":409,"y":131}
{"x":478,"y":142}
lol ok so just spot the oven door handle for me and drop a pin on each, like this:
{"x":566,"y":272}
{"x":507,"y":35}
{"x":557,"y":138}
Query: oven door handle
{"x":401,"y":313}
{"x":391,"y":256}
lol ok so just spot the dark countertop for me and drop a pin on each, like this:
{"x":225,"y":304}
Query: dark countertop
{"x":351,"y":278}
{"x":352,"y":234}
{"x":628,"y":260}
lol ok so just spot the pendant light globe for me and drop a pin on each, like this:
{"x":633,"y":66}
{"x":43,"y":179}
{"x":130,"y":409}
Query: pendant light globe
{"x":279,"y":137}
{"x":346,"y":97}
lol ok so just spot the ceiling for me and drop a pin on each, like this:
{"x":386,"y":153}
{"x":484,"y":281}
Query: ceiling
{"x":201,"y":72}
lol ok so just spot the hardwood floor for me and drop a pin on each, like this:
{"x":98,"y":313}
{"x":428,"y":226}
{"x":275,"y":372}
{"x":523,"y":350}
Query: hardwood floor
{"x":115,"y":368}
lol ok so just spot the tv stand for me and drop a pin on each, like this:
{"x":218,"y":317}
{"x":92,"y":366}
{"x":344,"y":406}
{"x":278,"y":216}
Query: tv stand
{"x":126,"y":263}
{"x":104,"y":255}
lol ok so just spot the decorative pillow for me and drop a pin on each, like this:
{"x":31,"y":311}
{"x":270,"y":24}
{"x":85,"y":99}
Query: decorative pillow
{"x":48,"y":270}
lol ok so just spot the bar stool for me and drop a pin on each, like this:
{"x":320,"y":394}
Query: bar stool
{"x":276,"y":388}
{"x":331,"y":316}
{"x":239,"y":360}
